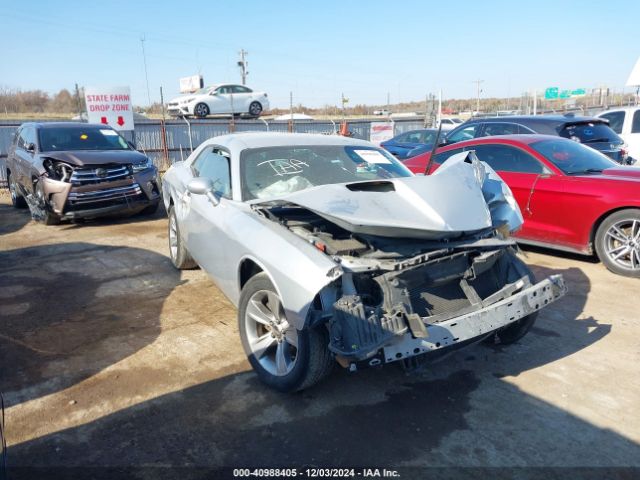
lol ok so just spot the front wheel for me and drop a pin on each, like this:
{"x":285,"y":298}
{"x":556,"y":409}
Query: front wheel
{"x":201,"y":110}
{"x":255,"y":109}
{"x":284,"y":358}
{"x":17,"y":200}
{"x":178,"y":252}
{"x":617,"y":242}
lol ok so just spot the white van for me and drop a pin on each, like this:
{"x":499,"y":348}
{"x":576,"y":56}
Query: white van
{"x":625,"y":121}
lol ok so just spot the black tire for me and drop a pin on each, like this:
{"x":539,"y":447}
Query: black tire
{"x":44,"y":214}
{"x":201,"y":110}
{"x":151,"y":209}
{"x":619,"y":233}
{"x":255,"y":109}
{"x":177,"y":252}
{"x":519,"y":328}
{"x":17,"y":200}
{"x":313,"y":360}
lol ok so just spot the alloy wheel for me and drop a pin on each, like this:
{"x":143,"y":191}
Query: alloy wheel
{"x":255,"y":109}
{"x":273,"y":342}
{"x":622,"y":244}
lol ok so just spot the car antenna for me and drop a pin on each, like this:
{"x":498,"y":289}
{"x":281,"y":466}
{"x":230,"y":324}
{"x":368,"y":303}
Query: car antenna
{"x":433,"y":150}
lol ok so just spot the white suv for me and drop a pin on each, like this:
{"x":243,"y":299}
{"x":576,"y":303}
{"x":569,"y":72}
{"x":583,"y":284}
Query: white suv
{"x":227,"y":99}
{"x":625,"y":121}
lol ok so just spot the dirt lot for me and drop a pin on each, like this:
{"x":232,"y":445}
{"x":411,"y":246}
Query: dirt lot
{"x":110,"y":357}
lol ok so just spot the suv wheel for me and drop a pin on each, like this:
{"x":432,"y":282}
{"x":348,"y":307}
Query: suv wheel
{"x":617,"y":242}
{"x":179,"y":255}
{"x":17,"y":200}
{"x":284,"y":358}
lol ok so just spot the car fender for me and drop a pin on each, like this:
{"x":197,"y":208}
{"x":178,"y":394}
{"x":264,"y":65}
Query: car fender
{"x":296,"y":268}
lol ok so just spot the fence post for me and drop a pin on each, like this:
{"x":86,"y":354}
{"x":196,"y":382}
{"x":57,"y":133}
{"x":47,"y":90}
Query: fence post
{"x":165,"y":148}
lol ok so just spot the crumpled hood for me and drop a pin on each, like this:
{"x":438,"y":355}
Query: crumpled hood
{"x":81,"y":158}
{"x":461,"y":197}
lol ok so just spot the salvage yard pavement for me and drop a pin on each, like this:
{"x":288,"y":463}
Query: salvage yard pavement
{"x":111,"y":357}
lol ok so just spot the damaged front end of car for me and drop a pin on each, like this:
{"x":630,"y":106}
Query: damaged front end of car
{"x":427,"y":263}
{"x":69,"y":189}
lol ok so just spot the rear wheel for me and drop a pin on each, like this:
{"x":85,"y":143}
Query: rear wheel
{"x":201,"y":110}
{"x":284,"y":358}
{"x":617,"y":242}
{"x":177,"y":251}
{"x":17,"y":200}
{"x":255,"y":109}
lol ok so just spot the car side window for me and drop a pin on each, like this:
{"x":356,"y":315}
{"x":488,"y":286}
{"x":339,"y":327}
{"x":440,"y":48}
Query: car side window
{"x":466,"y":133}
{"x":240,"y":89}
{"x":635,"y":125}
{"x":29,"y":134}
{"x":224,"y":90}
{"x":212,"y":164}
{"x":491,"y":129}
{"x":616,"y":120}
{"x":503,"y":158}
{"x":440,"y":158}
{"x":20,"y":138}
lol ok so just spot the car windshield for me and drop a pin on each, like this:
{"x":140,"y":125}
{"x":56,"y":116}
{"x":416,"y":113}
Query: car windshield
{"x":80,"y":138}
{"x":572,"y":157}
{"x":275,"y":171}
{"x":590,"y":133}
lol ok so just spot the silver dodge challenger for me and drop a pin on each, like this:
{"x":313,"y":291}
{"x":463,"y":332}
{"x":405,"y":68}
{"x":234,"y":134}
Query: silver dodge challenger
{"x":333,"y":251}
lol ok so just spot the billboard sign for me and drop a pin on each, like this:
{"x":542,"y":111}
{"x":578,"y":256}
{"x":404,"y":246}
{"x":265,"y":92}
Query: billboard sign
{"x":110,"y":106}
{"x":191,"y":84}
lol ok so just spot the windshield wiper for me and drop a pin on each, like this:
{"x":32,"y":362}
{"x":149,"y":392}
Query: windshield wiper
{"x":594,"y":140}
{"x":586,"y":170}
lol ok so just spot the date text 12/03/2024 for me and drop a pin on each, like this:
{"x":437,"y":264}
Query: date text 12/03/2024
{"x":316,"y":473}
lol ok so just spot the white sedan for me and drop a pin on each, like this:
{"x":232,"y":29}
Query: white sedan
{"x":226,"y":99}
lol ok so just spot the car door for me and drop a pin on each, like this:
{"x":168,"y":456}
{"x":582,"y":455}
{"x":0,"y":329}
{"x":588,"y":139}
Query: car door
{"x":24,"y":158}
{"x":536,"y":190}
{"x":206,"y":223}
{"x":220,"y":100}
{"x":242,"y":97}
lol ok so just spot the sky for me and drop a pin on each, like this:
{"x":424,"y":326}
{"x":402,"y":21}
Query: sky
{"x":320,"y":50}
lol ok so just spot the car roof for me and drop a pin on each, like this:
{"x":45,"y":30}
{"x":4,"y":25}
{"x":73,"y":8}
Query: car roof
{"x":504,"y":139}
{"x":536,"y":119}
{"x":617,"y":109}
{"x":46,"y":125}
{"x":243,"y":141}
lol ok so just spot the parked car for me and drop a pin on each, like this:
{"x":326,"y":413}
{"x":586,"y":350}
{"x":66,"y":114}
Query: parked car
{"x":449,"y":123}
{"x":593,"y":132}
{"x":625,"y":121}
{"x":402,"y":144}
{"x":573,"y":197}
{"x":332,"y":250}
{"x":226,"y":99}
{"x":68,"y":170}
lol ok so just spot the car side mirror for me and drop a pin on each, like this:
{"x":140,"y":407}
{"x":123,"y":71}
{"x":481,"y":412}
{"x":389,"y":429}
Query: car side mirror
{"x":30,"y":147}
{"x":203,"y":186}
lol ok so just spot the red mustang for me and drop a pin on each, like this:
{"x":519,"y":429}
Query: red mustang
{"x":572,"y":197}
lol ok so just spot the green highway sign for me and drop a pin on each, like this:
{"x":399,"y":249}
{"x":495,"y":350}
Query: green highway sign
{"x":551,"y":93}
{"x":565,"y":94}
{"x":578,"y":92}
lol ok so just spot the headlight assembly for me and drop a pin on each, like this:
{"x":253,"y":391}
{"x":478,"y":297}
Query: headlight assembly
{"x":139,"y":167}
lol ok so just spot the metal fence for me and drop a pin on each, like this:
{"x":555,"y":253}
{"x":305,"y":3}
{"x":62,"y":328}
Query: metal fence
{"x":166,"y":142}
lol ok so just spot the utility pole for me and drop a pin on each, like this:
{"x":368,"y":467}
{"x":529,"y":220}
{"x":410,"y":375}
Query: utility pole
{"x":243,"y":64}
{"x":478,"y":82}
{"x":388,"y":101}
{"x":146,"y":74}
